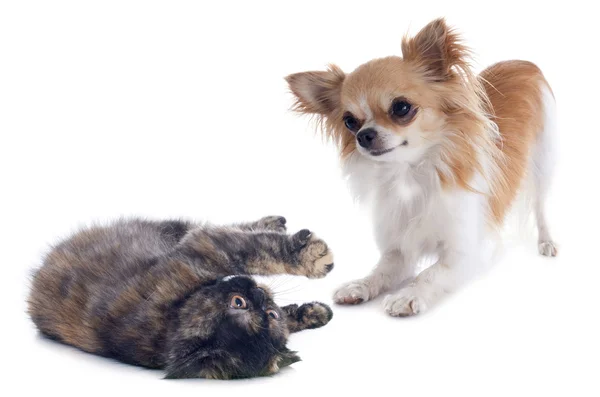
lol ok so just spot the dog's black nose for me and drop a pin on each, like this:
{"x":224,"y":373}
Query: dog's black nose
{"x":366,"y":137}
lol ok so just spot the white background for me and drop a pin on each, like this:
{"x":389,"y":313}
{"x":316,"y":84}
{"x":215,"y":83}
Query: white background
{"x":179,"y":109}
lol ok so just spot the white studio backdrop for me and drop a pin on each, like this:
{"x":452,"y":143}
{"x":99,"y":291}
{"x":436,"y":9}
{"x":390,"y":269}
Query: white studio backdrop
{"x":179,"y":109}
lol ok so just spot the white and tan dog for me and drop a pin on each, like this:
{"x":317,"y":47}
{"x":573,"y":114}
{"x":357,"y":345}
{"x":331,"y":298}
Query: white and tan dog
{"x":438,"y":153}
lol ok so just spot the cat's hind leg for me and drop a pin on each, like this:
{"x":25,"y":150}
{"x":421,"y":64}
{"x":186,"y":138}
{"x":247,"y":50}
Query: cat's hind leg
{"x":307,"y":316}
{"x":274,"y":223}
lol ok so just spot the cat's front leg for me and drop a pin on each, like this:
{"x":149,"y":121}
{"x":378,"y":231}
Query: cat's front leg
{"x":307,"y":316}
{"x":229,"y":251}
{"x":311,"y":257}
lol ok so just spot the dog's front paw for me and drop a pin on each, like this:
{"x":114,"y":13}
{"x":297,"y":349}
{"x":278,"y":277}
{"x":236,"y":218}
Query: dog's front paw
{"x":315,"y":259}
{"x":547,"y":248}
{"x":274,"y":223}
{"x":314,"y":314}
{"x":352,"y":293}
{"x":407,"y":302}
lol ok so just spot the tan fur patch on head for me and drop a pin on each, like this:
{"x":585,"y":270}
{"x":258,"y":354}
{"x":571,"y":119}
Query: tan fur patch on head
{"x":369,"y":92}
{"x":434,"y":76}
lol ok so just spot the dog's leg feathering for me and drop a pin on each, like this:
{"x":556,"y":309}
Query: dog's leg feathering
{"x":390,"y":270}
{"x":432,"y":284}
{"x":461,"y":256}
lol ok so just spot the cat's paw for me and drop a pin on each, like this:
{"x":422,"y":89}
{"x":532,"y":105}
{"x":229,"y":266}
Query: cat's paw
{"x":274,"y":223}
{"x":352,"y":293}
{"x":407,"y":302}
{"x":314,"y":314}
{"x":315,"y":259}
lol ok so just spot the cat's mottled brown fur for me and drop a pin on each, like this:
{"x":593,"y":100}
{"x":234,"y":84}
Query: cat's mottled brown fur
{"x":168,"y":295}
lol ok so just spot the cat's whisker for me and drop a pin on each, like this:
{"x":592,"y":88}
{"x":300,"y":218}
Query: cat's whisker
{"x":293,"y":289}
{"x":280,"y":281}
{"x":286,"y":300}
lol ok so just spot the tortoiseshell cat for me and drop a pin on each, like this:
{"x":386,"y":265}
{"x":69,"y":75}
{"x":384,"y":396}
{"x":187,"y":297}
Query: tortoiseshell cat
{"x":174,"y":295}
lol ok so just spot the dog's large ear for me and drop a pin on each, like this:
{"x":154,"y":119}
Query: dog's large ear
{"x":437,"y":49}
{"x":317,"y":92}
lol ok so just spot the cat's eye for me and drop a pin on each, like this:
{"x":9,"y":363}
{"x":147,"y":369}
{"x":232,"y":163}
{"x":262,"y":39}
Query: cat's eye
{"x":351,"y":122}
{"x":237,"y":302}
{"x":273,"y":314}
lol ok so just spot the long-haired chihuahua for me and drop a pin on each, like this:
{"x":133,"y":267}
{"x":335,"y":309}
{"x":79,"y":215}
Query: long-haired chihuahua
{"x":439,"y":154}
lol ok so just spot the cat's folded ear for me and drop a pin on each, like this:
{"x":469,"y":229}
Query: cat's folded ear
{"x":288,"y":358}
{"x":201,"y":363}
{"x":282,"y":359}
{"x":220,"y":365}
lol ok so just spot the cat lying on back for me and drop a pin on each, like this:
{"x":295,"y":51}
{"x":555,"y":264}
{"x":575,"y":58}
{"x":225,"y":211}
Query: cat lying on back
{"x":175,"y":295}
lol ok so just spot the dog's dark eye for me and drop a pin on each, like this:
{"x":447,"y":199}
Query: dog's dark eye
{"x":351,"y":122}
{"x":273,"y":314}
{"x":400,"y":108}
{"x":237,"y":302}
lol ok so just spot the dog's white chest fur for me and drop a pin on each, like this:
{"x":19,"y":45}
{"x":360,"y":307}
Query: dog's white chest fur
{"x":408,"y":207}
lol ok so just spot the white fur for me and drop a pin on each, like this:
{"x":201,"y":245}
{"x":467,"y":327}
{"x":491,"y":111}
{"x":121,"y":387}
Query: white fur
{"x":364,"y":106}
{"x":413,"y":217}
{"x":542,"y":167}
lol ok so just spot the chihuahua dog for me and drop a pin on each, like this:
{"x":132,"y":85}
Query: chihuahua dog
{"x":439,"y":154}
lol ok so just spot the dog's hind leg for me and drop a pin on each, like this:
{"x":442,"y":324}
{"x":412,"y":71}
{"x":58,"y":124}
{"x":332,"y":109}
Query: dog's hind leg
{"x":542,"y":167}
